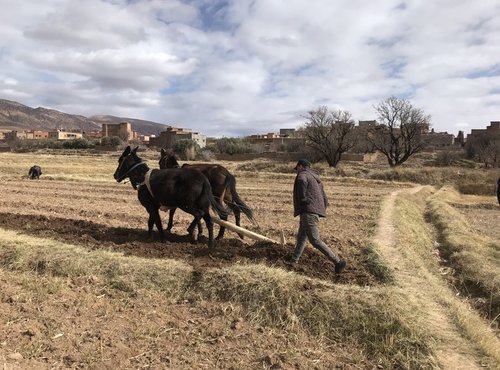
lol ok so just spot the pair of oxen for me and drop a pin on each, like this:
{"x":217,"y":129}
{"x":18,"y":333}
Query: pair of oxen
{"x":193,"y":188}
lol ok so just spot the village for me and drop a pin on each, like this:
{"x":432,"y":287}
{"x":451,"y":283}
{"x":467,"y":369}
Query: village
{"x":287,"y":140}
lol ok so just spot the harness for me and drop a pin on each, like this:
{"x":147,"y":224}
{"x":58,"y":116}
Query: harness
{"x":131,"y":169}
{"x":147,"y":182}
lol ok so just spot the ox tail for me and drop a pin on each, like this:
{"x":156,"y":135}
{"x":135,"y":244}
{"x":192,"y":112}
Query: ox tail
{"x":216,"y":206}
{"x":231,"y":181}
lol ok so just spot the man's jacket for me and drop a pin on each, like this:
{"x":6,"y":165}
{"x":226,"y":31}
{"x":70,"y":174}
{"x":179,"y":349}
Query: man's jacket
{"x":308,"y":194}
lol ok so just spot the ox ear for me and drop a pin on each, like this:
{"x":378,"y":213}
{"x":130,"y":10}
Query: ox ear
{"x":126,"y":151}
{"x":163,"y":152}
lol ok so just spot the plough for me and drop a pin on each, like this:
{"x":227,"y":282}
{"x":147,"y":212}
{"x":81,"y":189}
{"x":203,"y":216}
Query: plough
{"x":248,"y":233}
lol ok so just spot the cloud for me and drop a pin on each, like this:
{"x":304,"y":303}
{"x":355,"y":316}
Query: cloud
{"x":230,"y":67}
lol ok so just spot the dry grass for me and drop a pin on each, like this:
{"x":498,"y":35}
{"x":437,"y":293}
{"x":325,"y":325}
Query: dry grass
{"x":475,"y":258}
{"x":365,"y":318}
{"x":52,"y":258}
{"x":466,"y":180}
{"x":420,"y":238}
{"x":371,"y":318}
{"x":378,"y":325}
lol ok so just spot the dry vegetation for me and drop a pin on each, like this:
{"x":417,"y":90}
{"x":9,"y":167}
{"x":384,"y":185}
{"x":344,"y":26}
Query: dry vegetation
{"x":82,"y":286}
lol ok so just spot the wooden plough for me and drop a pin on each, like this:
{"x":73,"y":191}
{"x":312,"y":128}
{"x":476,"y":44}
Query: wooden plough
{"x":248,"y":233}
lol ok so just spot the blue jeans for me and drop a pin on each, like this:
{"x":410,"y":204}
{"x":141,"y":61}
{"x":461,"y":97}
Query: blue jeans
{"x":308,"y":229}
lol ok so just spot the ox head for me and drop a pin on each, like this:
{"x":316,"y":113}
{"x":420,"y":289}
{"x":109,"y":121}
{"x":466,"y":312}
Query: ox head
{"x":126,"y":163}
{"x":167,"y":160}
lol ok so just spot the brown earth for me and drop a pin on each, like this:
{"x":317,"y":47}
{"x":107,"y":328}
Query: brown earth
{"x":108,"y":216}
{"x":104,"y":328}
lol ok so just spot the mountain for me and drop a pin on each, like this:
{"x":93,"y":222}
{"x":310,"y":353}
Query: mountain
{"x":16,"y":116}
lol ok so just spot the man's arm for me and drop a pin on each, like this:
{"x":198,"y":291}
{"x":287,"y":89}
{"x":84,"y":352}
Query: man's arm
{"x":302,"y":190}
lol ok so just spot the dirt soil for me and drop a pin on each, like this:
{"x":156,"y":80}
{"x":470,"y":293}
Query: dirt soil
{"x":108,"y":329}
{"x":109,"y":216}
{"x":135,"y":242}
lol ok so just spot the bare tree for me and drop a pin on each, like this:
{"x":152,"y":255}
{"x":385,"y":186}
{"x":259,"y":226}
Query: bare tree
{"x":485,"y":149}
{"x":329,"y":133}
{"x":398,"y":136}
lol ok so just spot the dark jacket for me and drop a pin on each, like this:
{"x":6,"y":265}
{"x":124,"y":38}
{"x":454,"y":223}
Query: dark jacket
{"x":308,"y":194}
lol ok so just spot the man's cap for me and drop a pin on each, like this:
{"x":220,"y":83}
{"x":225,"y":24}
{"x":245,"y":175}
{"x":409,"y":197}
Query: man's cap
{"x":303,"y":163}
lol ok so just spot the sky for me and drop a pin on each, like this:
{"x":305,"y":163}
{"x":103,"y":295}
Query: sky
{"x":229,"y":68}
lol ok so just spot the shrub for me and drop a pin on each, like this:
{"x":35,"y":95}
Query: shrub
{"x":446,"y":158}
{"x":207,"y":155}
{"x":111,"y":141}
{"x":80,"y":143}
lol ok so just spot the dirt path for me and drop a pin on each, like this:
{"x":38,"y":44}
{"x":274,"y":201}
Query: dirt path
{"x":453,"y":351}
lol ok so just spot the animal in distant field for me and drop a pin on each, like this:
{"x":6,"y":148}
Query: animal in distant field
{"x":498,"y":190}
{"x":34,"y":172}
{"x":188,"y":190}
{"x":223,"y":186}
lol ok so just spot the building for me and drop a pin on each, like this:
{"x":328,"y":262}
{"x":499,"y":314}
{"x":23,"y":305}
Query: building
{"x":96,"y":134}
{"x":491,"y":131}
{"x":167,"y":138}
{"x":286,"y":140}
{"x":122,"y":130}
{"x":37,"y":134}
{"x":438,"y":139}
{"x":64,"y":135}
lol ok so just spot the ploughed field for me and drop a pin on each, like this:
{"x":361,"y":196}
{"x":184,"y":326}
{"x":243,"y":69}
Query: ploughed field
{"x":78,"y":201}
{"x":65,"y":321}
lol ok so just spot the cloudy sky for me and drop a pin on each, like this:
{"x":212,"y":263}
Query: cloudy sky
{"x":239,"y":67}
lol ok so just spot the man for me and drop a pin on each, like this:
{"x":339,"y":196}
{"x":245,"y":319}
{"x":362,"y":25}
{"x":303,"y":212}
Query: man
{"x":310,"y":202}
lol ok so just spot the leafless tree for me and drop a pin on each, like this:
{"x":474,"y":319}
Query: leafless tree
{"x":398,"y":136}
{"x":492,"y":153}
{"x":329,"y":133}
{"x":485,"y":149}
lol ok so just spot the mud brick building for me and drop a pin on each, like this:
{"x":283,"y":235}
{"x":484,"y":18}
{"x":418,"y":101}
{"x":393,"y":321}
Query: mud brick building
{"x":167,"y":138}
{"x":123,"y":130}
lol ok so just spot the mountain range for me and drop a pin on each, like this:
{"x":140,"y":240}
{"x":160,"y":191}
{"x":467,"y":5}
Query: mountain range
{"x":16,"y":116}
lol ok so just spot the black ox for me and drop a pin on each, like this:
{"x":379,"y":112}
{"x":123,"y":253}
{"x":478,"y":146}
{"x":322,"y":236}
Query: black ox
{"x":188,"y":190}
{"x":34,"y":172}
{"x":223,"y":185}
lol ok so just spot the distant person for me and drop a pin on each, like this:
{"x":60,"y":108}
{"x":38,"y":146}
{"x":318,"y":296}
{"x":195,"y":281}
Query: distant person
{"x":310,"y":202}
{"x":35,"y":172}
{"x":498,"y":190}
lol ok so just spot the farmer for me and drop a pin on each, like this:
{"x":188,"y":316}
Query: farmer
{"x":310,"y":202}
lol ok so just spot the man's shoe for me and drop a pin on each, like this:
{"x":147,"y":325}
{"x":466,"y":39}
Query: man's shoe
{"x":290,"y":259}
{"x":340,"y":266}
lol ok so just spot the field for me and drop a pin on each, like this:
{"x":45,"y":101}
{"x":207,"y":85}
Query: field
{"x":83,"y":286}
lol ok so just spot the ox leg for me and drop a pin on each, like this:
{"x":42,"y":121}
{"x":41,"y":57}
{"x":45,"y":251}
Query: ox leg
{"x":155,"y":215}
{"x":237,"y":216}
{"x":222,"y":229}
{"x":170,"y":220}
{"x":151,"y":222}
{"x":191,"y":227}
{"x":210,"y":228}
{"x":200,"y":229}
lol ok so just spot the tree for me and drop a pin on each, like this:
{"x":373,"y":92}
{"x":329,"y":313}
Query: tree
{"x":111,"y":141}
{"x":229,"y":145}
{"x":186,"y":147}
{"x":329,"y":133}
{"x":485,"y":149}
{"x":398,"y":136}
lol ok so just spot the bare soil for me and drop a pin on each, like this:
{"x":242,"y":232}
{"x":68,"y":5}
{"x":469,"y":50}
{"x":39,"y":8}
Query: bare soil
{"x":109,"y":216}
{"x":107,"y":329}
